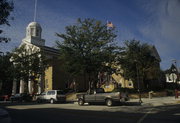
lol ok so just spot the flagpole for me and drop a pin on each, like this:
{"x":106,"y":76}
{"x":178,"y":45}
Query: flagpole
{"x":35,"y":10}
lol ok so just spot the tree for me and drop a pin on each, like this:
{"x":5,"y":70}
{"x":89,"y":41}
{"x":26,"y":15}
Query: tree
{"x":6,"y":8}
{"x":87,"y":48}
{"x":138,"y":63}
{"x":6,"y":74}
{"x":29,"y":63}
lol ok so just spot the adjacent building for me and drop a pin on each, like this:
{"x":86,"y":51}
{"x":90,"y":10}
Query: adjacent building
{"x":172,"y":75}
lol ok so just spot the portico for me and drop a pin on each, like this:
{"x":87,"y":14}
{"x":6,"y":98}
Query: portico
{"x":51,"y":77}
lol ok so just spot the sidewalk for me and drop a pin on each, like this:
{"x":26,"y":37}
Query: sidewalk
{"x":158,"y":101}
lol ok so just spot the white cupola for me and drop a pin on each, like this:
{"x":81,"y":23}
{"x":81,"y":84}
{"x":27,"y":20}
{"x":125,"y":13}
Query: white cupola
{"x":33,"y":34}
{"x":34,"y":29}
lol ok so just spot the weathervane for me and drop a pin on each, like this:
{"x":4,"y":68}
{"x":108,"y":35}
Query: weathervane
{"x":35,"y":9}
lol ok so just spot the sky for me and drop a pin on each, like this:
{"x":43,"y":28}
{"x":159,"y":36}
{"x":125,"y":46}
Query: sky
{"x":156,"y":22}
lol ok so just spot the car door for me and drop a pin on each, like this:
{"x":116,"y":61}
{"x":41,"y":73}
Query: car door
{"x":90,"y":97}
{"x":48,"y":95}
{"x":100,"y":95}
{"x":42,"y":96}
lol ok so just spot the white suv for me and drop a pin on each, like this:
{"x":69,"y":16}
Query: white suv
{"x":52,"y":96}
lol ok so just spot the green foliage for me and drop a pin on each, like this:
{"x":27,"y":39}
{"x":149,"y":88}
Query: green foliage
{"x":6,"y":8}
{"x":6,"y":74}
{"x":137,"y":60}
{"x":28,"y":63}
{"x":86,"y":48}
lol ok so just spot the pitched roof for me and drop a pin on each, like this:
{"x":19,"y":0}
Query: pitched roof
{"x":154,"y":52}
{"x":50,"y":50}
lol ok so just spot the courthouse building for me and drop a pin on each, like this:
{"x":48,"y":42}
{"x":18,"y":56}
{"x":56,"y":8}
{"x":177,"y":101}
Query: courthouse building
{"x":53,"y":77}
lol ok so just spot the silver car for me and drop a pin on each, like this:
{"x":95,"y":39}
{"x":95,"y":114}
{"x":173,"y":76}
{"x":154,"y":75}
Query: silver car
{"x":52,"y":96}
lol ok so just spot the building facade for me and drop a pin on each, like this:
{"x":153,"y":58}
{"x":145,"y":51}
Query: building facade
{"x":172,"y":75}
{"x":53,"y":77}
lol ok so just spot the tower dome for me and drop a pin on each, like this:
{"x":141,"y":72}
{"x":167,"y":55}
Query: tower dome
{"x":33,"y":29}
{"x":33,"y":34}
{"x":34,"y":24}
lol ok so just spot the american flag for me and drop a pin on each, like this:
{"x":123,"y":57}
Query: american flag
{"x":110,"y":24}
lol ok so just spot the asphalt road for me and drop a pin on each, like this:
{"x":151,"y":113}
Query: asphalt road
{"x":163,"y":114}
{"x":69,"y":113}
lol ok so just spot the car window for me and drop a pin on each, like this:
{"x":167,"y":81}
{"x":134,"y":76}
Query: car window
{"x":99,"y":90}
{"x":17,"y":95}
{"x":23,"y":94}
{"x":51,"y":93}
{"x":44,"y":93}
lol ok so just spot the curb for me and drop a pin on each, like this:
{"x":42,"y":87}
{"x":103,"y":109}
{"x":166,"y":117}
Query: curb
{"x":160,"y":104}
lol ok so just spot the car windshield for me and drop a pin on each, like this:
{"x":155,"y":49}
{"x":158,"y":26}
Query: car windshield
{"x":43,"y":93}
{"x":99,"y":90}
{"x":17,"y":95}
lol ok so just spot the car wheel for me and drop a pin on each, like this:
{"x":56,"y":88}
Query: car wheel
{"x":52,"y":101}
{"x":81,"y":102}
{"x":90,"y":103}
{"x":109,"y":102}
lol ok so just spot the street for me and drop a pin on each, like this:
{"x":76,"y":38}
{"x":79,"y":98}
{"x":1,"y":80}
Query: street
{"x":68,"y":113}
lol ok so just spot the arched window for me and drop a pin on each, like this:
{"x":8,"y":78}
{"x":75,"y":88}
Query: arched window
{"x":32,"y":33}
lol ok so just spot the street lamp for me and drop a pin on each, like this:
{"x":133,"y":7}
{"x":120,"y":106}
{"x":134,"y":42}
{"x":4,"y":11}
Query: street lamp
{"x":137,"y":72}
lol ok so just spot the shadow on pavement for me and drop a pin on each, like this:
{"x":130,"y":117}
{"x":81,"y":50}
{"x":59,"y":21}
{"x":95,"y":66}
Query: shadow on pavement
{"x":56,"y":115}
{"x":159,"y":114}
{"x":131,"y":103}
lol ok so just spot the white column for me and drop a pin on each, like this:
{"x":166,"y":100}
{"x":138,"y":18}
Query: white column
{"x":14,"y":88}
{"x":39,"y":85}
{"x":30,"y":86}
{"x":21,"y":89}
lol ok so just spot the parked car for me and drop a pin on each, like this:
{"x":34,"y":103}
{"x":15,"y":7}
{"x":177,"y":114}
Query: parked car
{"x":21,"y":97}
{"x":4,"y":97}
{"x":99,"y":96}
{"x":52,"y":96}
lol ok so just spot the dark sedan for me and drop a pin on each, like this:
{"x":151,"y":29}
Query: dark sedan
{"x":21,"y":97}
